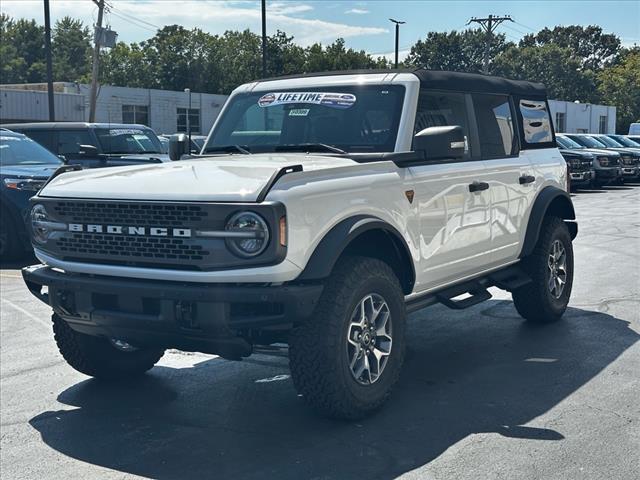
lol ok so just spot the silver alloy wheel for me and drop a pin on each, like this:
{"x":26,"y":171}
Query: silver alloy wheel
{"x":369,"y":339}
{"x":122,"y":345}
{"x":557,"y":268}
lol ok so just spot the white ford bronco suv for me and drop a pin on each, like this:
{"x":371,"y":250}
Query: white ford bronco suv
{"x":321,"y":211}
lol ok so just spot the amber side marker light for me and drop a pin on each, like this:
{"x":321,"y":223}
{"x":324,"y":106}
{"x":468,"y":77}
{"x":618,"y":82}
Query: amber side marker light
{"x":283,"y":231}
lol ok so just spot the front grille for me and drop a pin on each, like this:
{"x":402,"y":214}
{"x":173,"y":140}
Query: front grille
{"x":133,"y":247}
{"x":142,"y":214}
{"x":627,"y":160}
{"x":177,"y":247}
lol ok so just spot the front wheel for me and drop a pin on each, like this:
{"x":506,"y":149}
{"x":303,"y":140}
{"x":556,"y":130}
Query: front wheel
{"x":550,"y":267}
{"x":347,"y":358}
{"x":102,"y":357}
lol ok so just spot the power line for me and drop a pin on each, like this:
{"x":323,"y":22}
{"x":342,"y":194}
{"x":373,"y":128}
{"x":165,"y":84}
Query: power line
{"x":132,"y":22}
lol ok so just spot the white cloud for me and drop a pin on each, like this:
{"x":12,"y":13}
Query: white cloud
{"x":358,"y":11}
{"x":391,"y":56}
{"x":211,"y":16}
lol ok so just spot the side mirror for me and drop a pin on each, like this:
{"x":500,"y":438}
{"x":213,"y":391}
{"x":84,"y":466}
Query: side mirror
{"x":178,"y":146}
{"x":440,"y":143}
{"x":88,"y":151}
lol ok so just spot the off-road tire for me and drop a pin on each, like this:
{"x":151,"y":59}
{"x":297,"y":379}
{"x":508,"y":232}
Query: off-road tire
{"x":534,"y":301}
{"x":318,"y":354}
{"x":9,"y":244}
{"x":97,"y":357}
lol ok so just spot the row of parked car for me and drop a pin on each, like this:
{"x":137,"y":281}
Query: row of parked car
{"x":595,"y":160}
{"x":31,"y":152}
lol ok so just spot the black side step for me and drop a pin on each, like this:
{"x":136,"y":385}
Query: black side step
{"x":509,"y":278}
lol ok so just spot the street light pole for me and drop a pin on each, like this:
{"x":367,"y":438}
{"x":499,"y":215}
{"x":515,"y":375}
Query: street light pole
{"x":398,"y":23}
{"x":47,"y":48}
{"x":264,"y":39}
{"x":188,"y":90}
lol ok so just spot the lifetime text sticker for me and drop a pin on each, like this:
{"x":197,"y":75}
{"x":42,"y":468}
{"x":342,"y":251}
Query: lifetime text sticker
{"x":328,"y":99}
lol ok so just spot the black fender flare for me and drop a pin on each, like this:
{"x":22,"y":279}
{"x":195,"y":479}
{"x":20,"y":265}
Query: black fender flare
{"x":336,"y":241}
{"x":551,"y":200}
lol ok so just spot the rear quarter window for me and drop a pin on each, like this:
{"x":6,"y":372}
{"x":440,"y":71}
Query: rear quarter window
{"x":536,"y":126}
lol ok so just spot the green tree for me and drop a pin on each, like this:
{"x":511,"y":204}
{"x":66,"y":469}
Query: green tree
{"x":594,"y":48}
{"x":125,"y":65}
{"x":21,"y":51}
{"x":619,"y":85}
{"x":71,"y":51}
{"x":552,"y":65}
{"x":457,"y":51}
{"x":336,"y":56}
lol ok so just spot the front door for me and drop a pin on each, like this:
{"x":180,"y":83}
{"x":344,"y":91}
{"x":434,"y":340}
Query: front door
{"x":454,"y":202}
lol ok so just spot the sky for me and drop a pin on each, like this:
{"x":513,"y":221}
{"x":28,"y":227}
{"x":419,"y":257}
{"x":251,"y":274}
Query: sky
{"x":364,"y":25}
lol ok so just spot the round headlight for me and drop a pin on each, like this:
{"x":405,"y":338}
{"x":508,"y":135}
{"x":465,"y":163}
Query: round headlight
{"x":248,"y":234}
{"x":39,"y":220}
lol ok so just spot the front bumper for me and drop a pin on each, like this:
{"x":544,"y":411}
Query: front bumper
{"x":608,"y":174}
{"x":630,"y":172}
{"x":582,"y":178}
{"x":211,"y":318}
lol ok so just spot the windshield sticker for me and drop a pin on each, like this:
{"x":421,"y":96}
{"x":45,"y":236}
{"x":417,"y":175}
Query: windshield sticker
{"x":125,"y":131}
{"x":328,"y":99}
{"x":10,"y":139}
{"x":298,"y":112}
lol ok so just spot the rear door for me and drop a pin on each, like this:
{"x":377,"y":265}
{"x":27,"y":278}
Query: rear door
{"x":455,"y":222}
{"x":511,"y":179}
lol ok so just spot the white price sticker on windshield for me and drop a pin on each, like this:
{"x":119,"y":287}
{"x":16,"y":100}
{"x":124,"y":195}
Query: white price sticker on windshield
{"x":298,"y":112}
{"x":125,"y":131}
{"x":327,"y":99}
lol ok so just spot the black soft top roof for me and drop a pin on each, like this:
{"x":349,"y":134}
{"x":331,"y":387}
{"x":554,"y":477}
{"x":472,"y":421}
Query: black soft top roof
{"x":444,"y":80}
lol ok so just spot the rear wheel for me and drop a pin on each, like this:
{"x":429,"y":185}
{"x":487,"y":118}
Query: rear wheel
{"x":102,"y":357}
{"x":550,"y":266}
{"x":347,"y":358}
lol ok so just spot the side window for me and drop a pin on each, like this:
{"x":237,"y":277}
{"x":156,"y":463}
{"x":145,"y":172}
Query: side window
{"x":69,"y":141}
{"x":495,"y":125}
{"x":46,"y":138}
{"x":535,"y":121}
{"x":442,"y":109}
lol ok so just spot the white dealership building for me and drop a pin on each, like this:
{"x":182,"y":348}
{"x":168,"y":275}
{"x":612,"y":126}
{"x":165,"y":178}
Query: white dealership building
{"x":165,"y":111}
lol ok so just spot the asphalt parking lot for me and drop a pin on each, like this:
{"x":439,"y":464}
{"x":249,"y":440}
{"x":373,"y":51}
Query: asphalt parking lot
{"x":482,"y":395}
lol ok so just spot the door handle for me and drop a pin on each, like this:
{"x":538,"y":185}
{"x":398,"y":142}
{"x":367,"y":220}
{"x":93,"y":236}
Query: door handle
{"x":478,"y":186}
{"x":524,"y":179}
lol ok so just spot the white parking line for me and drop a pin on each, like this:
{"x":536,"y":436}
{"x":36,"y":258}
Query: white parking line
{"x":28,"y":314}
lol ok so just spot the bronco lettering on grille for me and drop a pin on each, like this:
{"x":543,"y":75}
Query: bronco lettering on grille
{"x":133,"y":230}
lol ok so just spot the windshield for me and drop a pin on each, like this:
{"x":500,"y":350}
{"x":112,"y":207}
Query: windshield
{"x":609,"y":142}
{"x":351,"y":118}
{"x":587,"y":141}
{"x":128,"y":140}
{"x":627,"y":142}
{"x":24,"y":151}
{"x":566,"y":142}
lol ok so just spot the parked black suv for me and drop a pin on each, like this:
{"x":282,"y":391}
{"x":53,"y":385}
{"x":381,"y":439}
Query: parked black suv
{"x":96,"y":144}
{"x":606,"y":164}
{"x":24,"y":167}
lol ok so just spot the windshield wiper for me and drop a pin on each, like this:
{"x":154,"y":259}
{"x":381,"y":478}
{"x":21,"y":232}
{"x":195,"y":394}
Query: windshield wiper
{"x":308,"y":147}
{"x":228,"y":149}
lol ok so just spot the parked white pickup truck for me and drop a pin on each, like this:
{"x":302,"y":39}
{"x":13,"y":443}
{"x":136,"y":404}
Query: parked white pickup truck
{"x":321,"y":210}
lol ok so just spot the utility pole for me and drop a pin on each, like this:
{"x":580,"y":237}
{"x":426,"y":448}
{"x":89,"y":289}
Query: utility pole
{"x":188,"y":91}
{"x":398,"y":23}
{"x":47,"y":48}
{"x":96,"y":62}
{"x":489,"y":25}
{"x":264,"y":38}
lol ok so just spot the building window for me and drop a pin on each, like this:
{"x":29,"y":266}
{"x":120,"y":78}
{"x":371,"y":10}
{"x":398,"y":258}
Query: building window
{"x":194,"y":119}
{"x":582,"y":130}
{"x":135,"y":114}
{"x":561,"y":122}
{"x":602,"y":125}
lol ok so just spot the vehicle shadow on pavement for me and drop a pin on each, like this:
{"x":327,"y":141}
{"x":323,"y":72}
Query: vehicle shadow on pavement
{"x":483,"y":370}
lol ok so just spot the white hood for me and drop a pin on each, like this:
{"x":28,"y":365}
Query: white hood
{"x":236,"y":178}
